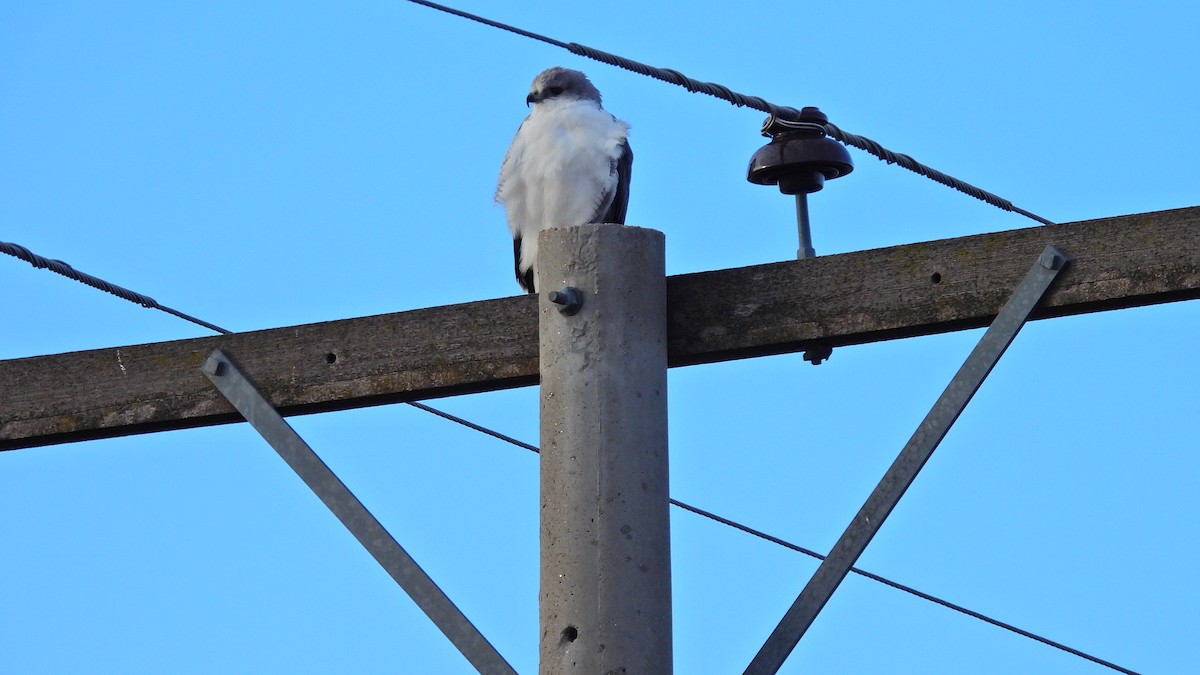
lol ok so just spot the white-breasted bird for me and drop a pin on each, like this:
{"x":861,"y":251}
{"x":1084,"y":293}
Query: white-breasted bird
{"x":568,"y":165}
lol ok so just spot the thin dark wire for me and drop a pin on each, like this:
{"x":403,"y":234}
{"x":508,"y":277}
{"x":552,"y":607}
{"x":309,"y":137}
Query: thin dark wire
{"x":60,"y":267}
{"x":489,"y":22}
{"x":809,"y":552}
{"x":907,"y":589}
{"x":471,"y":425}
{"x":724,"y":93}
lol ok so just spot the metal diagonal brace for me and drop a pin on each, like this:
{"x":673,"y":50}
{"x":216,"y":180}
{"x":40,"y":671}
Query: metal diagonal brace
{"x":904,"y":470}
{"x":350,"y":511}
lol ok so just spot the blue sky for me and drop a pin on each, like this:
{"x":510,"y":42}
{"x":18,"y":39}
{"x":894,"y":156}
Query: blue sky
{"x":268,"y":164}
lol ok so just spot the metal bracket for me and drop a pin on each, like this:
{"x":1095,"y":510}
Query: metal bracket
{"x":912,"y":458}
{"x":230,"y":381}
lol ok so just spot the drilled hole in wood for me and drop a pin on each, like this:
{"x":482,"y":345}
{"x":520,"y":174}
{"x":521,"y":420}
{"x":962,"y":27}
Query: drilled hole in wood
{"x":331,"y":358}
{"x":570,"y":633}
{"x":936,"y":277}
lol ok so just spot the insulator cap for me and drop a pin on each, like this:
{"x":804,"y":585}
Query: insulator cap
{"x":799,"y":158}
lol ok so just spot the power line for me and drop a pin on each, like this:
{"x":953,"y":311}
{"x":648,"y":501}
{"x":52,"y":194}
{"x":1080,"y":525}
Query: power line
{"x":907,"y":589}
{"x":742,"y":100}
{"x":471,"y":425}
{"x":811,"y":553}
{"x":60,"y":267}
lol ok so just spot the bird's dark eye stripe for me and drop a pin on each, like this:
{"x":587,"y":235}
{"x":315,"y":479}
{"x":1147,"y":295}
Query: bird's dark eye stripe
{"x":554,"y":91}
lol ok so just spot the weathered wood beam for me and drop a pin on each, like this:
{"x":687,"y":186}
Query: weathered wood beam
{"x":835,"y":300}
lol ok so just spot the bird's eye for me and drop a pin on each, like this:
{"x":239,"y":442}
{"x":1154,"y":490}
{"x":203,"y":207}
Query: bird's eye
{"x":553,"y":91}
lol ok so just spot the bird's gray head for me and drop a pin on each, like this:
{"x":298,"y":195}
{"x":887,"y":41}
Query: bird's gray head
{"x":562,"y":84}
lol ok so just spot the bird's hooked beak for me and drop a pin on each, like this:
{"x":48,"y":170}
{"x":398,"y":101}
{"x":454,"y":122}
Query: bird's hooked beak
{"x":532,"y":98}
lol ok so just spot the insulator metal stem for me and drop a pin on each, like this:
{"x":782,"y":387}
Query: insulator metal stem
{"x":806,"y":248}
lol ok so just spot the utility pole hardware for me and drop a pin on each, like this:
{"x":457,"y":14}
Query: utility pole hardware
{"x":908,"y":464}
{"x":235,"y":386}
{"x":599,"y":337}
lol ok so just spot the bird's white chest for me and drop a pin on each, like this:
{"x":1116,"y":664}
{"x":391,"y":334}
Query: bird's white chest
{"x":569,"y":141}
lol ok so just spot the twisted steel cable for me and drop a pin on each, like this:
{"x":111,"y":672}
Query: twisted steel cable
{"x":60,"y":267}
{"x":742,"y":100}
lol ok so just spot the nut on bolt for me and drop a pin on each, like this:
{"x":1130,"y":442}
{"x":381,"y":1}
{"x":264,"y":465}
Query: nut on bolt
{"x":818,"y":354}
{"x":1052,"y":259}
{"x":214,"y":366}
{"x":569,"y":300}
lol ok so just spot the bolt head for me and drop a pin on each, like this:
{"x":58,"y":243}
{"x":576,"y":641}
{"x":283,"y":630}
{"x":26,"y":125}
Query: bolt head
{"x":568,"y":300}
{"x":818,"y":355}
{"x":1051,"y":260}
{"x":214,"y":366}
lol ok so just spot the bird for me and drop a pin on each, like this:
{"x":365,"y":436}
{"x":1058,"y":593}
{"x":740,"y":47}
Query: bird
{"x":569,"y":164}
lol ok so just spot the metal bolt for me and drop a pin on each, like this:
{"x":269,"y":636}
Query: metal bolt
{"x":815,"y":355}
{"x":214,"y":366}
{"x":1051,"y":260}
{"x":569,"y":300}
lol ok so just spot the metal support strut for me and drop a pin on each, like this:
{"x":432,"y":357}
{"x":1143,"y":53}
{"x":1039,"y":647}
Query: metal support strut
{"x":350,"y":511}
{"x":910,"y":461}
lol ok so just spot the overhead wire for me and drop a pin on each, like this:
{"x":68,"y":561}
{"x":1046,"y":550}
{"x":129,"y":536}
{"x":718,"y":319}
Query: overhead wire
{"x":813,"y":554}
{"x":63,"y":268}
{"x":60,"y":267}
{"x":757,"y":103}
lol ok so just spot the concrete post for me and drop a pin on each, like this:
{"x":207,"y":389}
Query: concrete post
{"x":605,"y":601}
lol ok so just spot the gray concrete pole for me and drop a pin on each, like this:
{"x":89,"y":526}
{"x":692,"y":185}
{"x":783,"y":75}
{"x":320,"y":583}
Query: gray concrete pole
{"x":605,"y":601}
